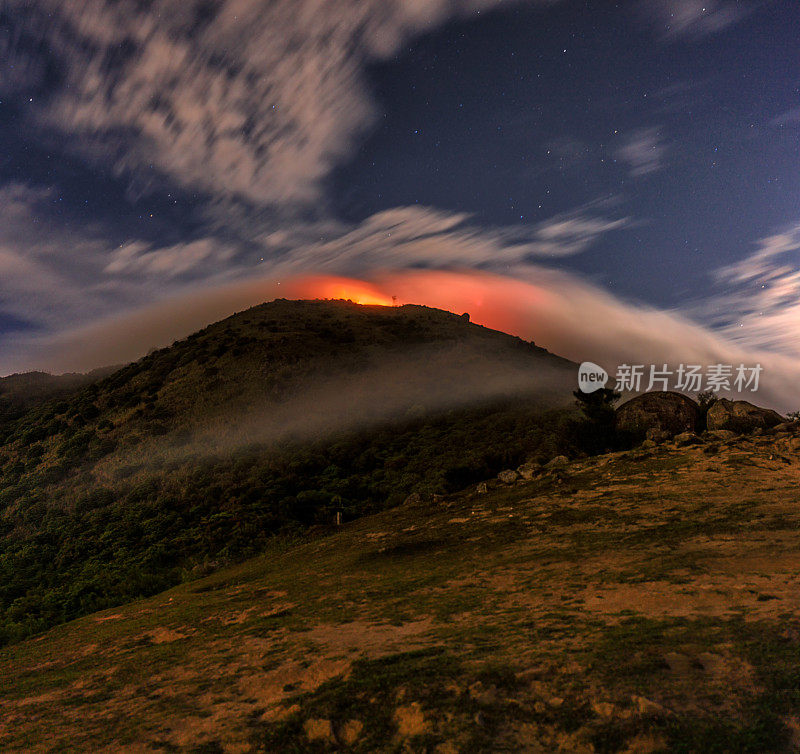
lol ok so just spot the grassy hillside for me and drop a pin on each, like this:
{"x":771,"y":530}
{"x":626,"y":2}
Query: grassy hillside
{"x":263,"y":425}
{"x":646,"y":601}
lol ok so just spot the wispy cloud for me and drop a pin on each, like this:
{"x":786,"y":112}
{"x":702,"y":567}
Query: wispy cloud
{"x":643,"y":151}
{"x":788,"y":118}
{"x":694,"y":19}
{"x":760,"y":307}
{"x":422,"y":236}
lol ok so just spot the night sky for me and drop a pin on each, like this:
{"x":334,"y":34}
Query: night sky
{"x":641,"y":153}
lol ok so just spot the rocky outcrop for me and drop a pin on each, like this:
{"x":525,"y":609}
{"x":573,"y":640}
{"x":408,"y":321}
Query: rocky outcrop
{"x":741,"y":416}
{"x":658,"y":415}
{"x":509,"y":476}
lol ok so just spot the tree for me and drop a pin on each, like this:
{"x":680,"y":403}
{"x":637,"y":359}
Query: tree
{"x":596,"y":433}
{"x":705,"y":401}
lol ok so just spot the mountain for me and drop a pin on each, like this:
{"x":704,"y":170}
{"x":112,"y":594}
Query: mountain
{"x":642,"y":601}
{"x":287,"y":416}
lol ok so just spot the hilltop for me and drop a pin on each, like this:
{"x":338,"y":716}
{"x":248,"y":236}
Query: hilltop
{"x":641,"y":601}
{"x":280,"y":418}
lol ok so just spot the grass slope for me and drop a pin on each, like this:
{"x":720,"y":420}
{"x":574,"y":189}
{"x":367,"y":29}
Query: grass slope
{"x":262,"y":425}
{"x":646,"y":601}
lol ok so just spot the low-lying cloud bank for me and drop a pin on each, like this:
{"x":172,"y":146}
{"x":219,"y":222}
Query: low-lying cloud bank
{"x":566,"y":315}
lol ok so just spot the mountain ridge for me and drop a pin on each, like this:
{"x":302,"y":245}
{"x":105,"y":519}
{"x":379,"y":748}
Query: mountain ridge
{"x":273,"y":420}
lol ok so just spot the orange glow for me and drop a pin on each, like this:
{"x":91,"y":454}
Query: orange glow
{"x":347,"y":289}
{"x":491,"y":300}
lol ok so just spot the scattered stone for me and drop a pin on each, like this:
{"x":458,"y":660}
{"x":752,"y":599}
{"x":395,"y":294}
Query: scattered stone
{"x":665,"y":413}
{"x":645,"y":706}
{"x":350,"y":732}
{"x":555,"y":701}
{"x":648,"y":444}
{"x":528,"y":471}
{"x":509,"y":476}
{"x":410,"y":720}
{"x":482,"y":488}
{"x":319,"y":730}
{"x":678,"y":663}
{"x":687,"y":438}
{"x":741,"y":416}
{"x":604,"y":709}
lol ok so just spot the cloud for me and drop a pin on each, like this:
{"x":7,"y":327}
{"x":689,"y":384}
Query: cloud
{"x":693,"y":19}
{"x":422,"y":236}
{"x":234,"y":98}
{"x":789,"y":118}
{"x":52,"y":274}
{"x":556,"y":309}
{"x":194,"y":257}
{"x":760,"y":307}
{"x":643,"y":151}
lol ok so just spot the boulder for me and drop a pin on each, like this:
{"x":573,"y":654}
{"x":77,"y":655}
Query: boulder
{"x":528,"y":471}
{"x":741,"y":416}
{"x":482,"y":488}
{"x":721,"y":434}
{"x":658,"y":415}
{"x":687,"y":438}
{"x":509,"y":476}
{"x":557,"y":464}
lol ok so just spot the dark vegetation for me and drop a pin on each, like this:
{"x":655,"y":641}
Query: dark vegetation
{"x":21,"y":392}
{"x":94,"y":513}
{"x":594,"y":431}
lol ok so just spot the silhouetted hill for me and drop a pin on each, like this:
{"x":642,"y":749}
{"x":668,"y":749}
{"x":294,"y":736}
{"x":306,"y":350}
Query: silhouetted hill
{"x":272,"y":421}
{"x":21,"y":392}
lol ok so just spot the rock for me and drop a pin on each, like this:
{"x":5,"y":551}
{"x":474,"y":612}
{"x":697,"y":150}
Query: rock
{"x":413,"y":499}
{"x":656,"y":436}
{"x":557,"y":464}
{"x":604,"y":709}
{"x":350,"y":732}
{"x":657,"y":415}
{"x":722,"y":434}
{"x":528,"y":471}
{"x":645,"y":706}
{"x":410,"y":720}
{"x":509,"y":476}
{"x":741,"y":416}
{"x":687,"y":438}
{"x":648,"y":444}
{"x":319,"y":730}
{"x":482,"y":488}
